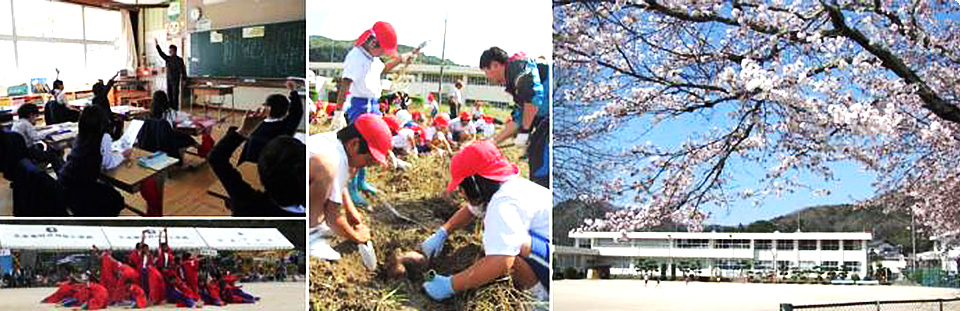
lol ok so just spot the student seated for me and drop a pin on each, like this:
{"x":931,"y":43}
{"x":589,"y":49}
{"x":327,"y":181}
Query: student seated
{"x":281,"y":164}
{"x":158,"y":132}
{"x":92,"y":153}
{"x":285,"y":114}
{"x":37,"y":150}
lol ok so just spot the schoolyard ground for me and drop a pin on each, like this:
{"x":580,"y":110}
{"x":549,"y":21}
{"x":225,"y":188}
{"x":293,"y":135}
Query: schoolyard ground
{"x":697,"y":296}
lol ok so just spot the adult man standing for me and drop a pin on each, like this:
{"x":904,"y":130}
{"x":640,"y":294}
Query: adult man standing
{"x":176,"y":73}
{"x":456,"y":99}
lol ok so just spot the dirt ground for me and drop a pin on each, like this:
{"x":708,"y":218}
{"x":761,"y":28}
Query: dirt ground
{"x":416,"y":194}
{"x":280,"y":296}
{"x":632,"y":295}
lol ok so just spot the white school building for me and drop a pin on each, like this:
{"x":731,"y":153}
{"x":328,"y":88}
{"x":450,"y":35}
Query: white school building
{"x":718,"y":254}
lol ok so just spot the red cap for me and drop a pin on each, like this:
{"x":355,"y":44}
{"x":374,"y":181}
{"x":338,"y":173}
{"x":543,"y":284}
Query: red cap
{"x":430,"y":97}
{"x":386,"y":37}
{"x":377,"y":134}
{"x":480,"y":158}
{"x":441,"y":120}
{"x":417,"y":116}
{"x":464,"y":116}
{"x":488,"y":118}
{"x":393,"y":122}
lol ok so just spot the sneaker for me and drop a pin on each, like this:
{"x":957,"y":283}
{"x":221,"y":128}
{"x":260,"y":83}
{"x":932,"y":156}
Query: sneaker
{"x":320,"y":243}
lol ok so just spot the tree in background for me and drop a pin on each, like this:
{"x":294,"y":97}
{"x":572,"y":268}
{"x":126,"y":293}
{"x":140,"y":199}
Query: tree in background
{"x":789,"y":86}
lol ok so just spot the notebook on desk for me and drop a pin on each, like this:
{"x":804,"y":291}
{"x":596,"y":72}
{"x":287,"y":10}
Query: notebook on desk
{"x":129,"y":136}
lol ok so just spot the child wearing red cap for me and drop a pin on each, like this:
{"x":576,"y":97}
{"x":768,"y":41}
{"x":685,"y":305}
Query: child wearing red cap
{"x":437,"y":134}
{"x":365,"y":142}
{"x":516,"y":222}
{"x":463,"y":129}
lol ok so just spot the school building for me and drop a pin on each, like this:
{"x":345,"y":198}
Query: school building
{"x":718,"y":254}
{"x":422,"y":79}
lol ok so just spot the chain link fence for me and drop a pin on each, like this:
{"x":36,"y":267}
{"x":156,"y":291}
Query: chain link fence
{"x":951,"y":304}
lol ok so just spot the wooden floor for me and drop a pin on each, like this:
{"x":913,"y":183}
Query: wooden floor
{"x":185,"y":191}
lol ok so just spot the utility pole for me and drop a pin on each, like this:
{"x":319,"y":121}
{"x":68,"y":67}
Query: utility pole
{"x":443,"y":60}
{"x":913,"y":237}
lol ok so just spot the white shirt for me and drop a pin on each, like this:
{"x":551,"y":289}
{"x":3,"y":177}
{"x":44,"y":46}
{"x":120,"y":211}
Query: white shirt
{"x":402,"y":140}
{"x":519,"y":207}
{"x":26,"y":129}
{"x":364,"y":70}
{"x":328,"y":145}
{"x":486,"y":129}
{"x":429,"y":132}
{"x":111,"y":158}
{"x":457,"y":95}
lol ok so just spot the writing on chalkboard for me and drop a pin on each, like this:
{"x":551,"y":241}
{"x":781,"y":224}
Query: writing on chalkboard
{"x":279,"y":53}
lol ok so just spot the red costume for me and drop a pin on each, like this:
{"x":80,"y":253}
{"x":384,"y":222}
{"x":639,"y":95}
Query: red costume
{"x":212,"y":294}
{"x":157,"y":288}
{"x":64,"y":290}
{"x":191,"y":271}
{"x":137,"y":296}
{"x":99,"y":297}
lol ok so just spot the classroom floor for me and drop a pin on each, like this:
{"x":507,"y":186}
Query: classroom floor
{"x":185,"y":191}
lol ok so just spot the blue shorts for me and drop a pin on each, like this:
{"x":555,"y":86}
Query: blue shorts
{"x":539,"y":258}
{"x":359,"y":106}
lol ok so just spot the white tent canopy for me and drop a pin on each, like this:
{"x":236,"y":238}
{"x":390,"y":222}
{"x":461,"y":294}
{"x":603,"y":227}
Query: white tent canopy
{"x":244,"y":238}
{"x":72,"y":238}
{"x":51,"y":237}
{"x":181,"y":238}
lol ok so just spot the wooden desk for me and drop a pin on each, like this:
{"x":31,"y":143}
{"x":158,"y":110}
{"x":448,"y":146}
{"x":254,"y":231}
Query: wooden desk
{"x":66,"y":133}
{"x":250,"y":175}
{"x":129,"y":177}
{"x":197,"y":126}
{"x":220,"y":90}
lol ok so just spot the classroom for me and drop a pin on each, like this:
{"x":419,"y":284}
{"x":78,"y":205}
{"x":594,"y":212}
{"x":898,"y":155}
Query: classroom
{"x":187,"y":102}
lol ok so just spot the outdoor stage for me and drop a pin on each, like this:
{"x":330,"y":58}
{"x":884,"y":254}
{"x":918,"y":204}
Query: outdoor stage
{"x":273,"y":296}
{"x":631,"y":295}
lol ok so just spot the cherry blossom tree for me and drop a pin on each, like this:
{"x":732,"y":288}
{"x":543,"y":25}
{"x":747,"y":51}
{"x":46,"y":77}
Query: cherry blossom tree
{"x":789,"y":86}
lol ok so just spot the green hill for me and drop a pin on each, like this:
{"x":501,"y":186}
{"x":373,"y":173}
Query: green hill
{"x":323,"y":49}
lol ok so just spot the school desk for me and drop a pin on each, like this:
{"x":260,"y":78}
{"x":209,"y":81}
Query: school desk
{"x":60,"y":135}
{"x":196,"y":125}
{"x":219,"y":90}
{"x":129,"y":177}
{"x":250,"y":175}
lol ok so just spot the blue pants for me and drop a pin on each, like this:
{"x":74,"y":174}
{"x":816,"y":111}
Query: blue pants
{"x":174,"y":296}
{"x":359,"y":106}
{"x":539,"y":258}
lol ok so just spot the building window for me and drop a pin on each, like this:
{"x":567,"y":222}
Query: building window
{"x":731,"y":264}
{"x":478,"y":80}
{"x":784,"y":245}
{"x":763,"y":265}
{"x":431,"y":77}
{"x":692,"y":243}
{"x":807,"y":264}
{"x":584,"y":243}
{"x":830,"y":245}
{"x":763,"y":244}
{"x":653,"y":243}
{"x":852,"y":266}
{"x":727,"y":244}
{"x":451,"y":78}
{"x":829,"y":266}
{"x":612,"y":243}
{"x":808,"y":245}
{"x":852,"y":245}
{"x":784,"y":264}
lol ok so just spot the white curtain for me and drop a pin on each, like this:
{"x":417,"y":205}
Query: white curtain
{"x":127,"y":41}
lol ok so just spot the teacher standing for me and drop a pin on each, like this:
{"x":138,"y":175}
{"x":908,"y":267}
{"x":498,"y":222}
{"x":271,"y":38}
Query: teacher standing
{"x":175,"y":71}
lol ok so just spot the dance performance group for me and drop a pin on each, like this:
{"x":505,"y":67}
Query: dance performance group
{"x":147,"y":279}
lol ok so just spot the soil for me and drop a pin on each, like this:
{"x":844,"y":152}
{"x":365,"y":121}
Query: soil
{"x":418,"y":195}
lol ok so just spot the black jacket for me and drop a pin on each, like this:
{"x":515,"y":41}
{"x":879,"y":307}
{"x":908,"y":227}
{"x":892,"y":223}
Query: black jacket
{"x":175,"y":66}
{"x":245,"y":200}
{"x":267,"y":131}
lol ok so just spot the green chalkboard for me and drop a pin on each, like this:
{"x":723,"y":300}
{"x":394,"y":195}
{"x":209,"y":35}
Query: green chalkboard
{"x":280,"y":53}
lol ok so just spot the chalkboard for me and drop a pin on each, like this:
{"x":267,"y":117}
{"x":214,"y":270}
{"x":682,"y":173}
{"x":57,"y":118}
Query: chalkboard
{"x":280,"y":53}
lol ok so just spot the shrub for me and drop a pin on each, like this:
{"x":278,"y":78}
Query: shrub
{"x":571,"y":273}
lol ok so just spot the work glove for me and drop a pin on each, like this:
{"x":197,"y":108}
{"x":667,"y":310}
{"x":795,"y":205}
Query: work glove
{"x":439,"y":288}
{"x":521,"y":140}
{"x":432,"y":246}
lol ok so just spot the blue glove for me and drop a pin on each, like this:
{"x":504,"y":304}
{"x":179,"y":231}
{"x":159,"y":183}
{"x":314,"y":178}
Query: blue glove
{"x":439,"y":288}
{"x":434,"y":244}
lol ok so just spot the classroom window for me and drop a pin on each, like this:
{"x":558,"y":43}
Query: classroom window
{"x":830,"y":245}
{"x":784,"y":245}
{"x":102,"y":25}
{"x":852,"y":266}
{"x":829,"y":265}
{"x":653,"y":243}
{"x":784,"y":264}
{"x":612,"y":243}
{"x":763,"y":244}
{"x":763,"y":265}
{"x":450,"y":78}
{"x":48,"y":19}
{"x":6,"y":25}
{"x":478,"y":80}
{"x":852,"y":245}
{"x":692,"y":243}
{"x":808,"y":245}
{"x":728,"y":244}
{"x":431,"y":77}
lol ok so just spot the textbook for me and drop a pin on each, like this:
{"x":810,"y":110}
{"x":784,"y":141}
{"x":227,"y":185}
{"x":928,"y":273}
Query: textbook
{"x":156,"y":161}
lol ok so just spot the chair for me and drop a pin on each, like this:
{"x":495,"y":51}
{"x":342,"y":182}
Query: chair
{"x":36,"y":194}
